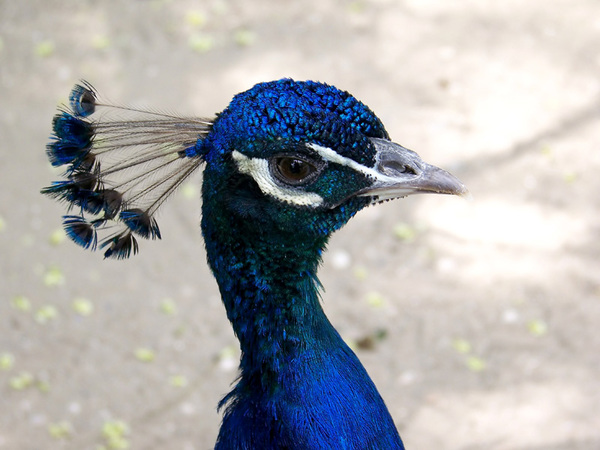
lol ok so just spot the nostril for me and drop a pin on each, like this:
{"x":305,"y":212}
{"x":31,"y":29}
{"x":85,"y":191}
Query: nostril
{"x":391,"y":168}
{"x":408,"y":169}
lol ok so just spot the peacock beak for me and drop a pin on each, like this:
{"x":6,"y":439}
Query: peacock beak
{"x":400,"y":172}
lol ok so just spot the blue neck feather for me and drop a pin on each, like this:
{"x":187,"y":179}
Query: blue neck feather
{"x":300,"y":385}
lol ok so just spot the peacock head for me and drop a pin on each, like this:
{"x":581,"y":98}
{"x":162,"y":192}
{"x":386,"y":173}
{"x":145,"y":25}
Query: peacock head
{"x":301,"y":158}
{"x":284,"y":159}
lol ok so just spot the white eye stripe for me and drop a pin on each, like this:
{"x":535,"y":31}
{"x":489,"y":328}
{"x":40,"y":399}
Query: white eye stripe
{"x":258,"y":169}
{"x":332,"y":156}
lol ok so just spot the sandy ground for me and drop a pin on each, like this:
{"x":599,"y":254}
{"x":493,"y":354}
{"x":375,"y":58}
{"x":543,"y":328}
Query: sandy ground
{"x":477,"y":320}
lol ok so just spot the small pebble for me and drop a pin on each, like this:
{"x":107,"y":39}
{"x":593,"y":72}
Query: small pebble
{"x":445,"y":265}
{"x":74,"y":408}
{"x":187,"y":408}
{"x":510,"y":316}
{"x":341,"y":259}
{"x":407,"y":378}
{"x":227,"y":359}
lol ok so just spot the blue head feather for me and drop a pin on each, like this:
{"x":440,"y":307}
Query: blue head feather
{"x":120,"y":168}
{"x":140,"y":222}
{"x":72,"y":140}
{"x":300,"y":112}
{"x":80,"y":231}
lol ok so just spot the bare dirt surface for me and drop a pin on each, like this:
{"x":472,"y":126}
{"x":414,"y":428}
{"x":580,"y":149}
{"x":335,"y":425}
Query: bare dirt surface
{"x":479,"y":321}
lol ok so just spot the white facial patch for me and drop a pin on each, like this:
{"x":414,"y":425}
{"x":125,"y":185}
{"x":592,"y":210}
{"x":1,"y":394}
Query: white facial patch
{"x":332,"y":156}
{"x":258,"y":169}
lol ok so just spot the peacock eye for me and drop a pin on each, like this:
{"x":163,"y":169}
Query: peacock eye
{"x":294,"y":170}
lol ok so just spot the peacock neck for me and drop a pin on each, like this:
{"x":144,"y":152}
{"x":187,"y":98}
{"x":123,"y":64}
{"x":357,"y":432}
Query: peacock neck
{"x":271,"y":294}
{"x":300,"y":385}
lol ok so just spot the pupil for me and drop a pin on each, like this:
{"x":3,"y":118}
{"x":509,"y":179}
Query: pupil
{"x":293,"y":170}
{"x":296,"y":167}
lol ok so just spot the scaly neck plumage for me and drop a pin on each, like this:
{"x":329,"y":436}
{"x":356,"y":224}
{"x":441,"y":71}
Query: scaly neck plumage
{"x":300,"y":385}
{"x":270,"y":292}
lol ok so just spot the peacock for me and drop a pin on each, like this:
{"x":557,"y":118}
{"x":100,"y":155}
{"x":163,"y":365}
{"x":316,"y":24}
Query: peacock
{"x":286,"y":164}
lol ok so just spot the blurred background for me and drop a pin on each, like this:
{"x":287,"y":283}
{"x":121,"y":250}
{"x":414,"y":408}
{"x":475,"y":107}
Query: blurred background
{"x":478,"y":321}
